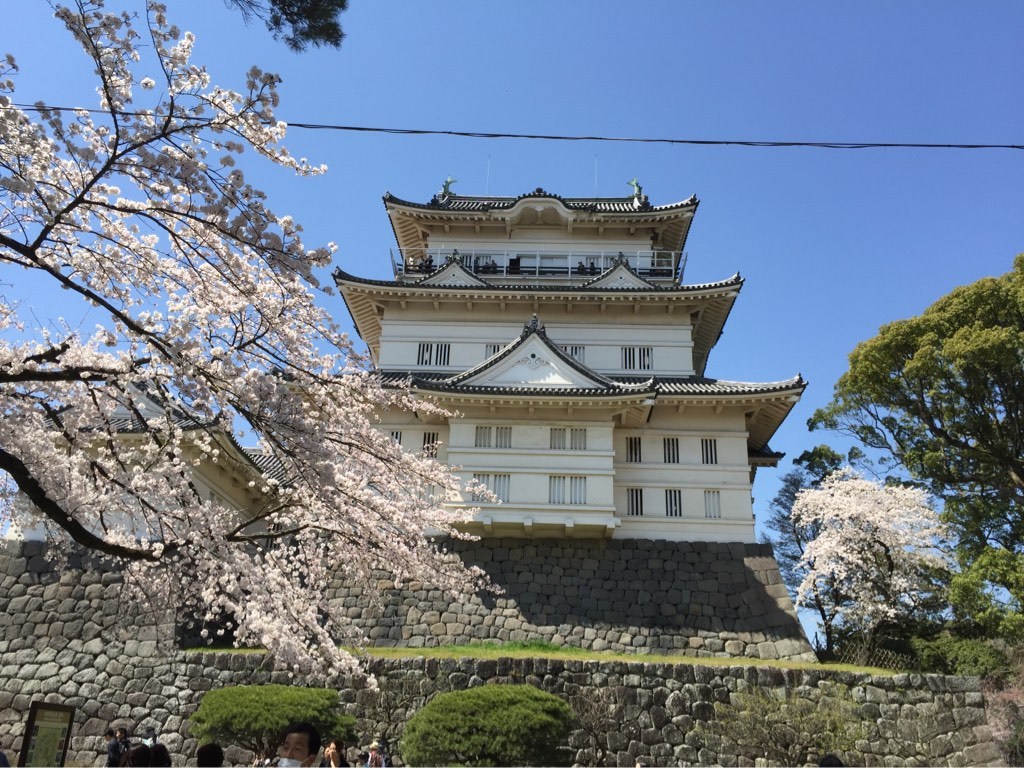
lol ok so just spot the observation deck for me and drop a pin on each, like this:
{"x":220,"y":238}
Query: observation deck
{"x":538,"y":266}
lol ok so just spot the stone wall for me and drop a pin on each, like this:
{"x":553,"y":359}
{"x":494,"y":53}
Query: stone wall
{"x":701,"y":598}
{"x":66,"y":639}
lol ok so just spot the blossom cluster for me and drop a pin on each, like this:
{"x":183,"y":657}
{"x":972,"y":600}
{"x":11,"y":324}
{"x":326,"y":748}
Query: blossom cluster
{"x":125,"y":440}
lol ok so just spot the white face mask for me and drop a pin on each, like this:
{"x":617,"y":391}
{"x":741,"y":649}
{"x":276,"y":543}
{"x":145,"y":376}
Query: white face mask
{"x":287,"y":762}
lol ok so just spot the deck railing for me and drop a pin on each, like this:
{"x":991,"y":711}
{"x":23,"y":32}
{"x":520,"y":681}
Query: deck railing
{"x":520,"y":263}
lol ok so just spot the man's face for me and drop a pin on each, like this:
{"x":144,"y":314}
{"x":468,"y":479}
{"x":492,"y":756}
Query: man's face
{"x":296,"y":747}
{"x":120,"y":733}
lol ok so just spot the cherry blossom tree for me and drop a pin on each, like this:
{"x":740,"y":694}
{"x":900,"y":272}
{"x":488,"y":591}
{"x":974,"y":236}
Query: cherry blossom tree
{"x":207,"y":326}
{"x":878,"y":543}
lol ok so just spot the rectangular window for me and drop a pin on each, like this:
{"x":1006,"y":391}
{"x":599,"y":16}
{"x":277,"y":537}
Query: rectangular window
{"x":556,"y":489}
{"x":483,"y":437}
{"x":673,"y":502}
{"x":578,"y":439}
{"x":577,"y":490}
{"x":576,"y":351}
{"x":633,"y":454}
{"x":396,"y":435}
{"x":501,"y":486}
{"x":557,"y":439}
{"x":709,"y":450}
{"x":483,"y":478}
{"x":635,"y":502}
{"x":430,"y":444}
{"x":490,"y":350}
{"x":712,"y":504}
{"x":433,"y":354}
{"x":637,"y":358}
{"x":503,"y":437}
{"x":496,"y":484}
{"x":670,"y":446}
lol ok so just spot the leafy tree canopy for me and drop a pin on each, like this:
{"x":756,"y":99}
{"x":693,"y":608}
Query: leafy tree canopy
{"x":489,"y":725}
{"x":942,"y":395}
{"x":254,"y":717}
{"x":300,"y":23}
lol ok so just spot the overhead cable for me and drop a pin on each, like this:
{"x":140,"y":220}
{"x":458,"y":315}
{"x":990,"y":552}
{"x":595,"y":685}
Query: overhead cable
{"x":621,"y":139}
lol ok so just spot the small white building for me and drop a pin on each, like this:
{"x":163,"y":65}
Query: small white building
{"x":560,"y":331}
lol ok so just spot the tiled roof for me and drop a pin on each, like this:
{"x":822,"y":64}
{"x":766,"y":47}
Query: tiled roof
{"x":473,"y":203}
{"x":269,"y":464}
{"x":624,"y":385}
{"x":735,"y":280}
{"x":533,"y":328}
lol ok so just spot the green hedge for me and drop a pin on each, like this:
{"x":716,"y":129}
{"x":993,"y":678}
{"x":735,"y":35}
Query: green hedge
{"x":254,"y":716}
{"x":489,"y":725}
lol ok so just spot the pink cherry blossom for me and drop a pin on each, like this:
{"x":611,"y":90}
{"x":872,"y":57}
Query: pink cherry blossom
{"x":123,"y":439}
{"x":877,"y":545}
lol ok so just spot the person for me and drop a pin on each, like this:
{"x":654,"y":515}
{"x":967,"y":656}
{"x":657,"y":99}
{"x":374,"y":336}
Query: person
{"x":149,"y":737}
{"x":364,"y":759}
{"x":334,"y":755}
{"x":137,"y":756}
{"x":4,"y":762}
{"x":111,"y":742}
{"x":161,"y":757}
{"x":376,"y":760}
{"x":300,"y":746}
{"x":209,"y":756}
{"x":117,"y":746}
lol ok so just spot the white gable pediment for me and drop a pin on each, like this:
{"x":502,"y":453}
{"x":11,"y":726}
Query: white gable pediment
{"x":533,"y":364}
{"x":453,"y":274}
{"x":620,"y":276}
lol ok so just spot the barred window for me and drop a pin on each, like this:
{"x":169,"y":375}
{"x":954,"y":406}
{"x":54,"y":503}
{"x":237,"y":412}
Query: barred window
{"x":496,"y":484}
{"x":578,"y":439}
{"x":501,"y":486}
{"x":635,"y":502}
{"x":712,"y":504}
{"x":575,"y":351}
{"x":483,"y":437}
{"x":670,"y":446}
{"x":503,"y":437}
{"x":577,"y":490}
{"x":430,"y":444}
{"x":637,"y":358}
{"x":673,"y":502}
{"x":484,"y":478}
{"x":633,"y":453}
{"x":430,"y":353}
{"x":709,"y":450}
{"x":396,"y":435}
{"x":557,"y":439}
{"x":556,"y":489}
{"x":490,"y":350}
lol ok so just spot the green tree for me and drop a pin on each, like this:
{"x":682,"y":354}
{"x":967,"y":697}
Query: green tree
{"x":489,"y":725}
{"x":942,"y":395}
{"x":789,"y":539}
{"x":254,"y":717}
{"x":300,"y":23}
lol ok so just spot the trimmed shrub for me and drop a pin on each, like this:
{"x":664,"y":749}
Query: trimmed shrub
{"x":489,"y":725}
{"x":254,"y":716}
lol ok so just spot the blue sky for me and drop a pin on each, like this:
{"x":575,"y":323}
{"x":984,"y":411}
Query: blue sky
{"x":832,"y":243}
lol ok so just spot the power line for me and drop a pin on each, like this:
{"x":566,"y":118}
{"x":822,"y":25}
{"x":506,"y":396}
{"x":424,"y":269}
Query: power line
{"x":620,"y":139}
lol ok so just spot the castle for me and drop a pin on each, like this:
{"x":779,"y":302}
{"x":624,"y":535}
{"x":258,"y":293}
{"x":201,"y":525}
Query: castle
{"x":560,"y":331}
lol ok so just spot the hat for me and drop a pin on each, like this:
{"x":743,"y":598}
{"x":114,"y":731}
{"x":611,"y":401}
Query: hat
{"x":375,"y":745}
